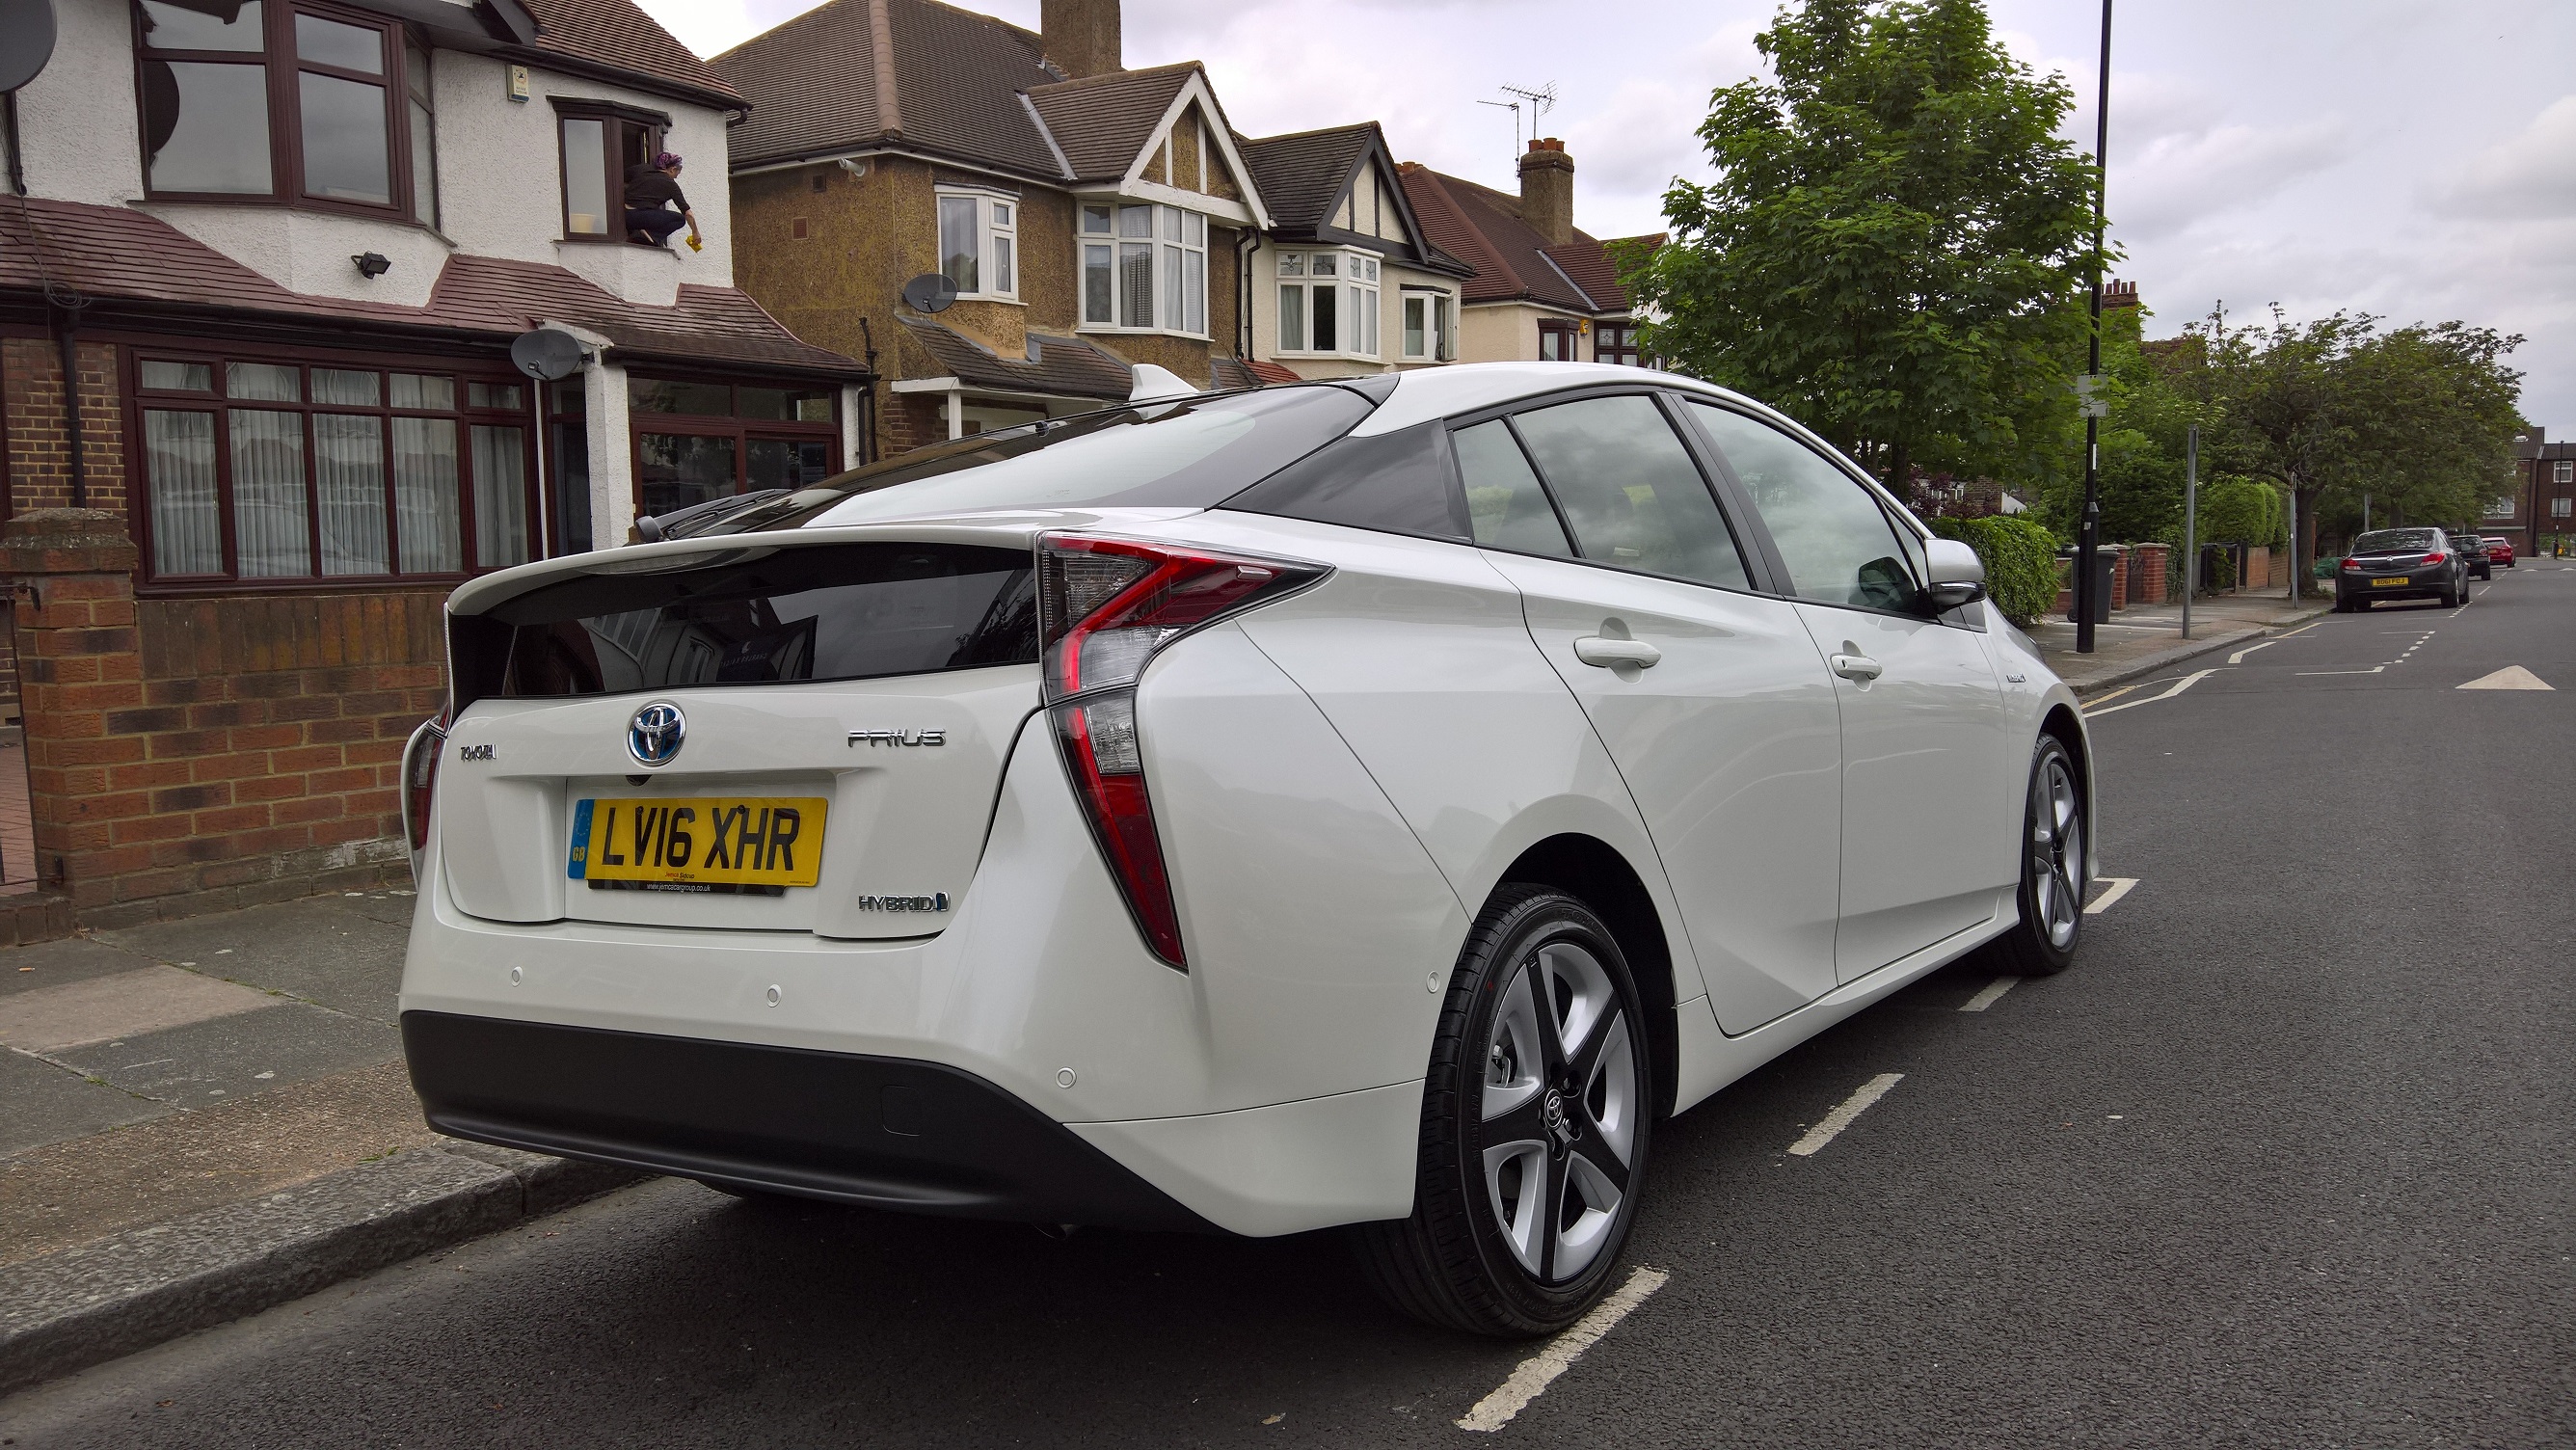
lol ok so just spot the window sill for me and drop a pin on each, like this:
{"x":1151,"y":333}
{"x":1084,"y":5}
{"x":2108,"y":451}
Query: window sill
{"x":1106,"y":330}
{"x":994,"y":297}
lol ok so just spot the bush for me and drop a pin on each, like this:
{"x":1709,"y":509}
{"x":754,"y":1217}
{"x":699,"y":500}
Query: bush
{"x":2020,"y":558}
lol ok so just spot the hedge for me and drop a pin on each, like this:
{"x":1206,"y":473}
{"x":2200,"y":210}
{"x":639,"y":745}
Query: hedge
{"x":2020,"y":558}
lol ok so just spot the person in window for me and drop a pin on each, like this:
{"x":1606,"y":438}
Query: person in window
{"x":654,"y":206}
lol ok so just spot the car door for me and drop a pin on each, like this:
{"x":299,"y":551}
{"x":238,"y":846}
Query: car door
{"x":1707,"y":694}
{"x":1930,"y":800}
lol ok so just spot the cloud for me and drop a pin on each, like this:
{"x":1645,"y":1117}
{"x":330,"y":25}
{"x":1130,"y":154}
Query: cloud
{"x":2531,"y":175}
{"x":2196,"y":177}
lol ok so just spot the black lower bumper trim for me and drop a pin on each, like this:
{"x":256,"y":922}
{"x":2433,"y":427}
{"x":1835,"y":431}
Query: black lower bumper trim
{"x":881,"y":1131}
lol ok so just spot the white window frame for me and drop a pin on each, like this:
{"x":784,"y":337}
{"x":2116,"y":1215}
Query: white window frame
{"x":997,"y":242}
{"x":1172,"y":245}
{"x":2562,"y":471}
{"x":1356,"y":276}
{"x":1439,"y":326}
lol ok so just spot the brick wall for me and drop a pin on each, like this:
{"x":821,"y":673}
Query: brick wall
{"x":188,"y":755}
{"x":31,"y":392}
{"x":2147,"y":570}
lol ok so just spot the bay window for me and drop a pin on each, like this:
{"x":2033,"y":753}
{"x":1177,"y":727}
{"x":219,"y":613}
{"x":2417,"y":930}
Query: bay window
{"x":267,"y":470}
{"x":1559,"y":340}
{"x":979,"y":238}
{"x":1328,"y":303}
{"x":1144,"y":268}
{"x":284,"y":101}
{"x":697,"y":440}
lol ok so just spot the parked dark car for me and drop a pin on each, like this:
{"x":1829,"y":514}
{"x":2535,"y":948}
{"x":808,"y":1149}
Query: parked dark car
{"x":2500,"y":551}
{"x":2401,"y":564}
{"x":2473,"y":553}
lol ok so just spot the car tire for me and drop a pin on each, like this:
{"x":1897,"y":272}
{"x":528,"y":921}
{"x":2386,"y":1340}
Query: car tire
{"x":2343,"y":603}
{"x":2055,"y":868}
{"x":1511,"y":1110}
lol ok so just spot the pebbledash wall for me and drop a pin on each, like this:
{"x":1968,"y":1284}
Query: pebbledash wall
{"x":187,"y":753}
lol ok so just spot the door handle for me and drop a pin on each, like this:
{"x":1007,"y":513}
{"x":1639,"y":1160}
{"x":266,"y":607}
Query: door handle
{"x":1859,"y":669}
{"x":1600,"y":649}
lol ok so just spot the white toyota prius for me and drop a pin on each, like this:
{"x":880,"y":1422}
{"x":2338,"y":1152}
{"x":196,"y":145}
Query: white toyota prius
{"x":1368,"y":803}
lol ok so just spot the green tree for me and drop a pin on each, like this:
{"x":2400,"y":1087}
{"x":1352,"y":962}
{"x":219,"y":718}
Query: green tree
{"x":1894,"y":243}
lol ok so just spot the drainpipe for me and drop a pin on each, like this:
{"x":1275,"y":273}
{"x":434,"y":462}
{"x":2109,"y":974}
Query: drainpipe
{"x":65,"y":319}
{"x":1243,"y":281}
{"x":868,"y":398}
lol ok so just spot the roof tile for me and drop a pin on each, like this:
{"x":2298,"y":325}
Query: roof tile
{"x":616,"y":34}
{"x":1104,"y":121}
{"x":1063,"y":367}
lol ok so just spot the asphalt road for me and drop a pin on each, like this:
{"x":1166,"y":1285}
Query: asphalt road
{"x":2284,"y":1160}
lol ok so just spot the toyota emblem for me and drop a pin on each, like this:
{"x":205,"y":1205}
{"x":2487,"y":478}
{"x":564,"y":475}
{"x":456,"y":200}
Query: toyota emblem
{"x":653,"y":737}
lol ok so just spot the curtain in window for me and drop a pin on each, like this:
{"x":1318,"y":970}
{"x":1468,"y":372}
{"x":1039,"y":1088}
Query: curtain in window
{"x":179,"y":462}
{"x":269,"y":534}
{"x":1292,"y":318}
{"x":349,"y":478}
{"x":500,"y":496}
{"x":1173,"y":310}
{"x":1194,"y":292}
{"x":1095,"y":284}
{"x":1135,"y":284}
{"x":960,"y":241}
{"x":426,"y":512}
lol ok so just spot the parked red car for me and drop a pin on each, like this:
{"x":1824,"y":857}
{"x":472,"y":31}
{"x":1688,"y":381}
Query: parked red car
{"x":2500,"y":551}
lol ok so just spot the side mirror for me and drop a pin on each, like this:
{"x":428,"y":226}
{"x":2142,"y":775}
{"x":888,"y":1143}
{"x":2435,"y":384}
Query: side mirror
{"x":1956,"y":575}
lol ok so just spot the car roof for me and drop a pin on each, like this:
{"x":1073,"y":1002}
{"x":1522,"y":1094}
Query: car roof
{"x":1422,"y":394}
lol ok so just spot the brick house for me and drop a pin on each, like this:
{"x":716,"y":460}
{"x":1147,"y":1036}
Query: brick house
{"x":2538,"y":512}
{"x":1540,"y":288}
{"x":1089,"y":218}
{"x":286,"y":248}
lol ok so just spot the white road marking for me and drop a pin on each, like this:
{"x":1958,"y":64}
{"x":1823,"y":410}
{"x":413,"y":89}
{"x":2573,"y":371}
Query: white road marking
{"x":1841,"y":1117}
{"x":1540,"y":1370}
{"x":2374,"y":669}
{"x":2120,"y":886}
{"x":2185,"y":683}
{"x":2511,"y":677}
{"x":1986,"y":998}
{"x":2238,"y":658}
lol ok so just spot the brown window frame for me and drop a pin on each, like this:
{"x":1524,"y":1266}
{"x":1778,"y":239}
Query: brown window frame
{"x":617,"y":121}
{"x":230,"y":580}
{"x":741,"y":430}
{"x":283,"y":66}
{"x":1623,"y":351}
{"x":1560,"y":327}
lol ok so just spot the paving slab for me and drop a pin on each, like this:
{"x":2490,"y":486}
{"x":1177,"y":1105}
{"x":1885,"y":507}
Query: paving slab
{"x":43,"y":1102}
{"x":138,"y":1003}
{"x":229,"y":1057}
{"x":40,"y":965}
{"x":322,"y":949}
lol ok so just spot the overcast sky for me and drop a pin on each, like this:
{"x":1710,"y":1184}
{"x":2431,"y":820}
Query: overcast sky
{"x":2412,"y":158}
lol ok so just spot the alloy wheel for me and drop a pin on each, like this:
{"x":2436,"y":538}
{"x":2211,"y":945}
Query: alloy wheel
{"x":1561,"y":1100}
{"x":2057,"y":871}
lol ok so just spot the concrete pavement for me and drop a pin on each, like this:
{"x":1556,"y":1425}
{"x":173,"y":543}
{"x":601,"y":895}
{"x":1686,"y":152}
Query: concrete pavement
{"x":2285,"y":1159}
{"x":2144,"y":639}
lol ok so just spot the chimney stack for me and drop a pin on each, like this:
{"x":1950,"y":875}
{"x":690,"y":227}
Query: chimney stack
{"x":1080,"y":36}
{"x":1547,"y":191}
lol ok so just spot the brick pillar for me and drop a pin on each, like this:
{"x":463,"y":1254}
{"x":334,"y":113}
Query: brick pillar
{"x":2119,"y":576}
{"x":2148,"y":580}
{"x":78,"y":660}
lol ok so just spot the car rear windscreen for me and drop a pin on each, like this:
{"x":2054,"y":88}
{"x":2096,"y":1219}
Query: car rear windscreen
{"x":2394,"y":541}
{"x":1190,"y":452}
{"x":757,"y":616}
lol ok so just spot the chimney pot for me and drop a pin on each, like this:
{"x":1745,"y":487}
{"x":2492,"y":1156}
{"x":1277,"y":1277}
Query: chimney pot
{"x":1081,"y":36}
{"x":1547,"y":191}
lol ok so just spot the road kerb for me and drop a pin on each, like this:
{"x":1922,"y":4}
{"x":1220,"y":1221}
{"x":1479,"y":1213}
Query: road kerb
{"x":2166,"y":659}
{"x":102,"y":1300}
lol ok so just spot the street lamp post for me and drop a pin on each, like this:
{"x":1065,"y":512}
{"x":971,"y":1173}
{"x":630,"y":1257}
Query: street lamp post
{"x":2088,"y":537}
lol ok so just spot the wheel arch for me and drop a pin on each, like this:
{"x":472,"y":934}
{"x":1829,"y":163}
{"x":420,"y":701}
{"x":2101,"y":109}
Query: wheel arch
{"x":2067,"y":728}
{"x":1592,"y":870}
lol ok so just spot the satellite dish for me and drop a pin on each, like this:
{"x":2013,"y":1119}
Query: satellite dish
{"x":546,"y":354}
{"x":26,"y":40}
{"x":929,"y":292}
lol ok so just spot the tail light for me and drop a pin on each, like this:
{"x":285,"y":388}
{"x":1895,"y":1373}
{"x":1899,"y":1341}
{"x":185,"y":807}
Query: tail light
{"x":1106,"y":606}
{"x":420,"y":778}
{"x":2352,"y":563}
{"x":2432,"y":559}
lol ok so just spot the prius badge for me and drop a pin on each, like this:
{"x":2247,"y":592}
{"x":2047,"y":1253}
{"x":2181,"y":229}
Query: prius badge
{"x":653,"y":737}
{"x":874,"y":738}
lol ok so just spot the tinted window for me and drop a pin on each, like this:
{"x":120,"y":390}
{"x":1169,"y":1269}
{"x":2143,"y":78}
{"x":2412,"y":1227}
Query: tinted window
{"x":2395,"y":541}
{"x":1190,"y":452}
{"x":1505,"y":505}
{"x":1630,"y":491}
{"x":1394,"y":482}
{"x":836,"y":612}
{"x":1838,"y":543}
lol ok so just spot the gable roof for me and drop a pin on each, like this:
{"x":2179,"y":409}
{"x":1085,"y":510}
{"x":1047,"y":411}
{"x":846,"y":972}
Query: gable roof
{"x":1304,"y":175}
{"x":615,"y":35}
{"x":858,"y":72}
{"x":1104,"y":122}
{"x":119,"y":255}
{"x":1055,"y":366}
{"x":1512,"y":262}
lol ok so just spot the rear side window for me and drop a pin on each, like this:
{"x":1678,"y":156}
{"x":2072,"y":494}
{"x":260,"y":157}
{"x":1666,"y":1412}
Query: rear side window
{"x":835,"y":612}
{"x":1505,"y":504}
{"x":1193,"y":452}
{"x":1630,"y":491}
{"x":1395,"y":483}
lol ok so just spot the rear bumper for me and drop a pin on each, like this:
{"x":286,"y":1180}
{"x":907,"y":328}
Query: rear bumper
{"x":879,"y":1131}
{"x":2358,"y":586}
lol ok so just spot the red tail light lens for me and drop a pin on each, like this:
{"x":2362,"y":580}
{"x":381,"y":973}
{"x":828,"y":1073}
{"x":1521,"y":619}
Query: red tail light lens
{"x":2431,"y":559}
{"x":420,"y":778}
{"x":2352,"y":563}
{"x":1105,"y":607}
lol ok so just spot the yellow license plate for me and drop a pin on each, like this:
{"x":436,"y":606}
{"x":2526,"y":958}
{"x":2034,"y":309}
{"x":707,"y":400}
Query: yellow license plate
{"x":2385,"y":583}
{"x":698,"y":843}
